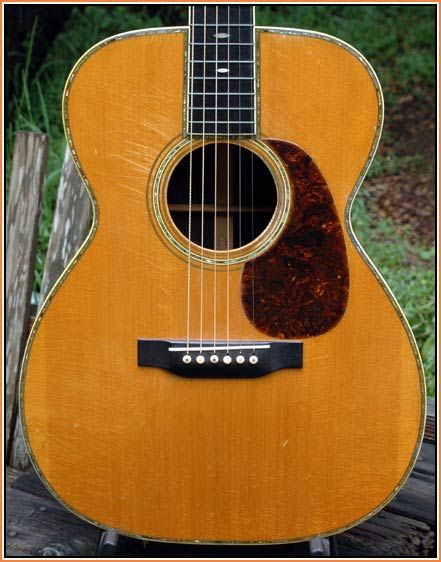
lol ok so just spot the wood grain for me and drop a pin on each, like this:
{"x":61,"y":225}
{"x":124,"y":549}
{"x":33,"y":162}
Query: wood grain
{"x":278,"y":458}
{"x":23,"y":213}
{"x":71,"y":222}
{"x":38,"y":526}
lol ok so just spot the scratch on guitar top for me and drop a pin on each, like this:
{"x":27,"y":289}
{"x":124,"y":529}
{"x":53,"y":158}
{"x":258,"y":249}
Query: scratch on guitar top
{"x":319,"y":357}
{"x":155,"y":265}
{"x":130,"y":188}
{"x":167,"y":292}
{"x":143,"y":149}
{"x":142,"y":168}
{"x":285,"y":443}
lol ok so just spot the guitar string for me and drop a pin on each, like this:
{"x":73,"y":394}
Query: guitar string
{"x":190,"y":103}
{"x":253,"y":16}
{"x":228,"y":184}
{"x":240,"y":157}
{"x":215,"y":188}
{"x":201,"y":289}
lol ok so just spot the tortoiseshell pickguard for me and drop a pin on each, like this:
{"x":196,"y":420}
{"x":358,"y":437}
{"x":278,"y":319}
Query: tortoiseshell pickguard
{"x":301,"y":284}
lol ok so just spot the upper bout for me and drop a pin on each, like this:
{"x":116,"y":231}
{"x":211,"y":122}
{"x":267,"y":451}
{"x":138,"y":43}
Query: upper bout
{"x":123,"y":103}
{"x":324,"y":96}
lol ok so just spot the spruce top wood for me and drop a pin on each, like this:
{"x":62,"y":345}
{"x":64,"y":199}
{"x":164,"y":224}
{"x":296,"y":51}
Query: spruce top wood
{"x":282,"y":457}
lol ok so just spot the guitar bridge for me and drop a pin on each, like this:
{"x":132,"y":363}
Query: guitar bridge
{"x":230,"y":360}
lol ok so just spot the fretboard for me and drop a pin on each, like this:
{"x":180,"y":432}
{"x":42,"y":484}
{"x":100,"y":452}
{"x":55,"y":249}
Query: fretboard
{"x":221,"y":87}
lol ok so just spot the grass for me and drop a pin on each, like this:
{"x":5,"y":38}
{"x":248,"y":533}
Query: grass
{"x":397,"y":39}
{"x":409,"y":272}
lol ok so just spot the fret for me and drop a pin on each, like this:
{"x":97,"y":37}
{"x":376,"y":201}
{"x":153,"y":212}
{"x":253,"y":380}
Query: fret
{"x":222,"y":25}
{"x":222,"y":86}
{"x":223,"y":35}
{"x":212,"y":52}
{"x":221,"y":61}
{"x":221,"y":122}
{"x":223,"y":93}
{"x":223,"y":44}
{"x":221,"y":77}
{"x":191,"y":108}
{"x":222,"y":114}
{"x":233,"y":130}
{"x":220,"y":14}
{"x":221,"y":70}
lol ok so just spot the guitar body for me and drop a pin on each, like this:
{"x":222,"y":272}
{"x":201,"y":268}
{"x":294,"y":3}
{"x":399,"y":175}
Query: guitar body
{"x":282,"y":457}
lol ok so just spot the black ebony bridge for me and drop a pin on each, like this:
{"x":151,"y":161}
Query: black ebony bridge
{"x":233,"y":359}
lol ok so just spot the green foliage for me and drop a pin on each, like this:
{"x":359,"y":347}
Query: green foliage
{"x":398,"y":40}
{"x":409,"y":272}
{"x":391,"y":164}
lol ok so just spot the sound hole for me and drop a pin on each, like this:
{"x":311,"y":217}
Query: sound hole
{"x":242,"y":174}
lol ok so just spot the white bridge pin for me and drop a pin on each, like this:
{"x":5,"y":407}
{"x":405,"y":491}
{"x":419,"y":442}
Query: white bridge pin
{"x":200,"y":359}
{"x":253,"y":359}
{"x":240,"y":359}
{"x":214,"y":359}
{"x":186,"y":359}
{"x":227,"y":359}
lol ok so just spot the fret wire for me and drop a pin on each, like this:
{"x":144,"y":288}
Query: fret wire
{"x":223,"y":78}
{"x":253,"y":93}
{"x":250,"y":61}
{"x":223,"y":108}
{"x":222,"y":122}
{"x":221,"y":44}
{"x":250,"y":25}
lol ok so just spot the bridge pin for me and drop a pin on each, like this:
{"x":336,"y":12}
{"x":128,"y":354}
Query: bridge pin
{"x":240,"y":359}
{"x":214,"y":359}
{"x":227,"y":359}
{"x":253,"y":359}
{"x":200,"y":359}
{"x":186,"y":359}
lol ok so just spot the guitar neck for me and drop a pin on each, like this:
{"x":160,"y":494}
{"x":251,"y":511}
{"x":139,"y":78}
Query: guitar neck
{"x":221,"y":78}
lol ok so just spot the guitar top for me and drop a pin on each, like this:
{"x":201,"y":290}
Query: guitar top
{"x":221,"y":362}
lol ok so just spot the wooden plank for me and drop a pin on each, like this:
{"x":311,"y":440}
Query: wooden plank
{"x":30,"y":483}
{"x":388,"y":535}
{"x":38,"y":526}
{"x":71,"y":223}
{"x":24,"y":205}
{"x":429,"y":432}
{"x":11,"y":475}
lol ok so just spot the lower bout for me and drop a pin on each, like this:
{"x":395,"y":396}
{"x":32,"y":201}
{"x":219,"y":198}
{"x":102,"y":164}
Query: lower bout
{"x":279,"y":458}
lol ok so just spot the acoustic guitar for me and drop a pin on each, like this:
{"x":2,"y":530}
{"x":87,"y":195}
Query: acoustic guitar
{"x":221,"y":362}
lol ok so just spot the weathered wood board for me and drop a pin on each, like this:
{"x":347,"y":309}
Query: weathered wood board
{"x":23,"y":213}
{"x":35,"y":521}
